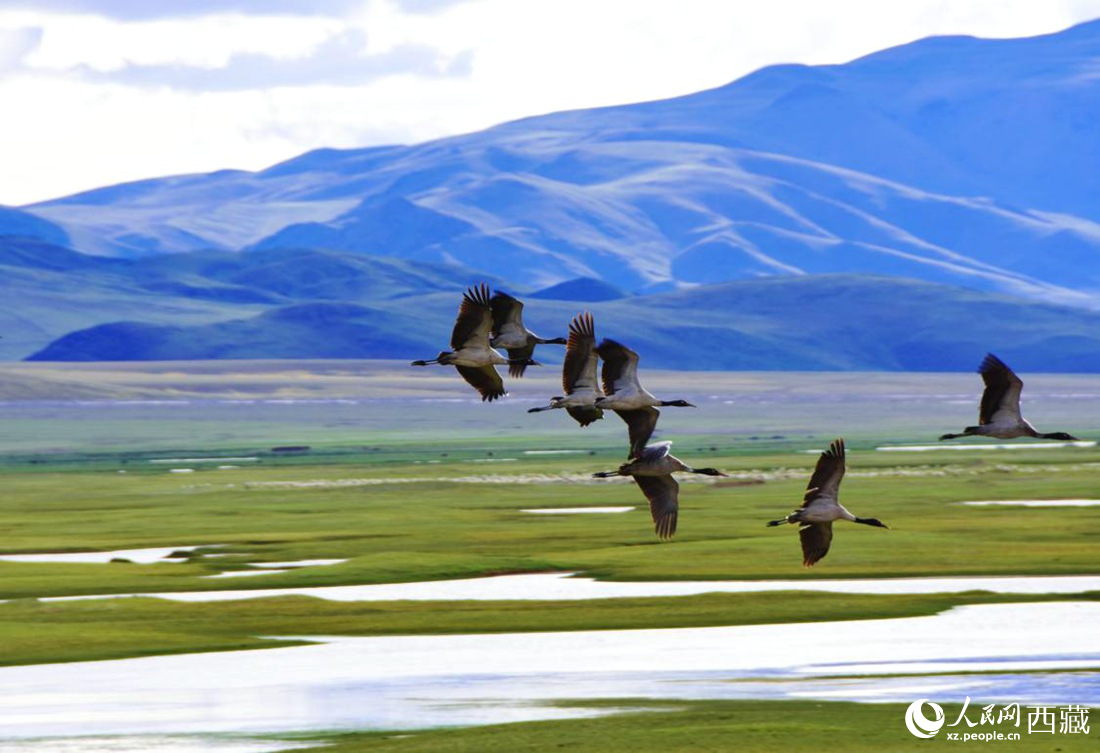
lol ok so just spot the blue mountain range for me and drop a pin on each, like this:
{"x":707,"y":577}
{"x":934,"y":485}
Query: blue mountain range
{"x":966,"y":163}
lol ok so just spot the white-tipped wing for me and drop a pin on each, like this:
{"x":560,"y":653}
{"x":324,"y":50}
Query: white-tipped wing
{"x":655,"y":452}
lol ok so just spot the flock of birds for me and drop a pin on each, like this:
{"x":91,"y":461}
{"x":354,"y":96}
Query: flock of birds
{"x":487,"y":322}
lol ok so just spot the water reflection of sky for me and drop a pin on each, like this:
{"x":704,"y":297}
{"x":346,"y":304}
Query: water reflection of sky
{"x":565,"y":587}
{"x":141,"y":556}
{"x":149,"y":743}
{"x":419,"y":681}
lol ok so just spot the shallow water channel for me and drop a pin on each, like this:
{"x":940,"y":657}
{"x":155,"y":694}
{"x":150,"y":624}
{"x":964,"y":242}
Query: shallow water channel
{"x":566,"y":587}
{"x":422,"y":681}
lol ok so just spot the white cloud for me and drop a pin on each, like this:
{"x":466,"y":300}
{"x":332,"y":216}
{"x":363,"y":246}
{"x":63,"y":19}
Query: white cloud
{"x":105,"y":44}
{"x":339,"y":60}
{"x":16,"y":44}
{"x":159,"y":94}
{"x":427,"y":6}
{"x":145,"y":10}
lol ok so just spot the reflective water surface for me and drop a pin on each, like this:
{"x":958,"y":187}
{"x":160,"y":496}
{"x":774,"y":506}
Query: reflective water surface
{"x":421,"y":681}
{"x":564,"y":587}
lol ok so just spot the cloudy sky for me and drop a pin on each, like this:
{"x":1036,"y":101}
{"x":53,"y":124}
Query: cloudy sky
{"x":95,"y":92}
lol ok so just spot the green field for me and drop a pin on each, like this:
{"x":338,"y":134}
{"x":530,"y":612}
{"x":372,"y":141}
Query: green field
{"x":680,"y":727}
{"x":408,"y":485}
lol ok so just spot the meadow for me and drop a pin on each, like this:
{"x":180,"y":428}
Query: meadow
{"x":683,"y":727}
{"x":404,"y":475}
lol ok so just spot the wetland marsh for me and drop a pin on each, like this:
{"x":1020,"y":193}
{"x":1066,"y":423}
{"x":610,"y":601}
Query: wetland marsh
{"x":376,"y":476}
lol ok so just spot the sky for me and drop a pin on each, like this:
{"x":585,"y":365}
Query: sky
{"x":98,"y":92}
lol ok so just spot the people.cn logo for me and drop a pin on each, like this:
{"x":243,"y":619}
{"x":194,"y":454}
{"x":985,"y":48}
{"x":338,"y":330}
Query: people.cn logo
{"x":918,"y":724}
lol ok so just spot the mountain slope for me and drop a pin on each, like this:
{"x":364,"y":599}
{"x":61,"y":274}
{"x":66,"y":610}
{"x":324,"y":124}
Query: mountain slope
{"x":329,"y":330}
{"x":808,"y":323}
{"x":51,"y":290}
{"x":963,"y":161}
{"x":15,"y":223}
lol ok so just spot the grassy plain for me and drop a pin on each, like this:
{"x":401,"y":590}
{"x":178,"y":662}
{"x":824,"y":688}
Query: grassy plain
{"x":409,"y":479}
{"x":399,"y":521}
{"x":751,"y":726}
{"x":35,"y":632}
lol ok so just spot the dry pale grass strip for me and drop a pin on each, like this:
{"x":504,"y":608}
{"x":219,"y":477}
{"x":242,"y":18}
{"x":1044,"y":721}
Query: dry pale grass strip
{"x":740,"y":478}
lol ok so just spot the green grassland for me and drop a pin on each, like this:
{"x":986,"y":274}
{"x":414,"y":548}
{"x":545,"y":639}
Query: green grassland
{"x":410,"y":490}
{"x":682,"y":726}
{"x":407,"y":522}
{"x":36,"y":632}
{"x":437,"y":529}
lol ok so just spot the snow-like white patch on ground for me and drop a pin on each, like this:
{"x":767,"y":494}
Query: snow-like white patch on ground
{"x":148,"y":743}
{"x":139,"y":556}
{"x":575,"y":510}
{"x":244,"y":573}
{"x":161,"y":743}
{"x":563,"y":587}
{"x":1036,"y":503}
{"x":554,"y":452}
{"x":979,"y":447}
{"x":204,"y":460}
{"x":270,"y":568}
{"x":521,"y":478}
{"x":299,"y":563}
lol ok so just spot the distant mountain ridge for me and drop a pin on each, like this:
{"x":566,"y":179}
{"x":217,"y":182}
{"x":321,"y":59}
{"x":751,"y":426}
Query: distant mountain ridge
{"x":909,"y":209}
{"x":50,"y":291}
{"x":821,"y":322}
{"x":958,"y":160}
{"x":15,"y":223}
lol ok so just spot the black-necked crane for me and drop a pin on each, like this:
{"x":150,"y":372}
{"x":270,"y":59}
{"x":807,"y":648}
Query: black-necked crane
{"x":626,"y":396}
{"x":510,"y":334}
{"x":652,"y":470}
{"x":999,"y":415}
{"x":579,"y":378}
{"x":821,"y":506}
{"x":470,"y":352}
